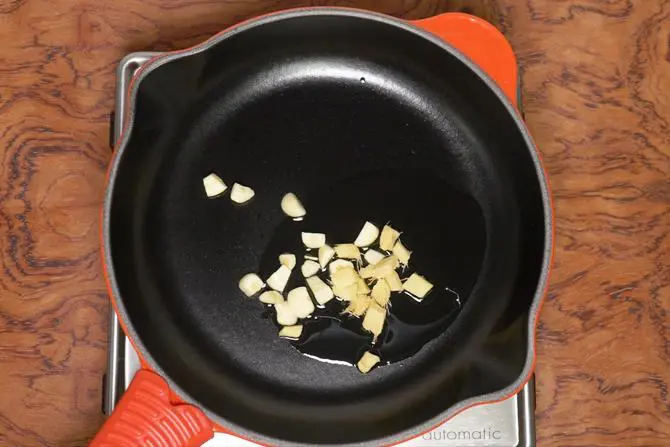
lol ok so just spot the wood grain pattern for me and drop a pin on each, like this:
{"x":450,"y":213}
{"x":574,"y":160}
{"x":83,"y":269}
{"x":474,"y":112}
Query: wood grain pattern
{"x":596,"y":77}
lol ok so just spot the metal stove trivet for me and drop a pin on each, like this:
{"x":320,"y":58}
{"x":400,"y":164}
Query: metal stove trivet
{"x":505,"y":424}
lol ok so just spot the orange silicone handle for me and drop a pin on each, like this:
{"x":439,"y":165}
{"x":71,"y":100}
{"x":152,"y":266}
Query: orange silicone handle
{"x":145,"y":417}
{"x":482,"y":43}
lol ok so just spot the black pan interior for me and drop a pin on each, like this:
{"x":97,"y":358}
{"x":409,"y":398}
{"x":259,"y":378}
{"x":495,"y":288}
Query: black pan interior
{"x":323,"y":106}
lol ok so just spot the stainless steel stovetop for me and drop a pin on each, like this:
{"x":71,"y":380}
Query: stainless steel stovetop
{"x":504,"y":424}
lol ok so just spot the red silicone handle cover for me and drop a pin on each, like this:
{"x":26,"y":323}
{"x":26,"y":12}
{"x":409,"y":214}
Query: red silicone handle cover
{"x":482,"y":43}
{"x":145,"y":417}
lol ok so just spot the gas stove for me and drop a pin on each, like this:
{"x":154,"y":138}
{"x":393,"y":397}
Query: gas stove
{"x":509,"y":423}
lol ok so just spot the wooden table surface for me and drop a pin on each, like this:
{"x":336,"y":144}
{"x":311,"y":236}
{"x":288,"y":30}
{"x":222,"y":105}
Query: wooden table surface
{"x":596,"y":77}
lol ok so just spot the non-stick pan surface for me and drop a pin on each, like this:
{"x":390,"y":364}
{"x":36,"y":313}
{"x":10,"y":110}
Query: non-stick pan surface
{"x":364,"y":118}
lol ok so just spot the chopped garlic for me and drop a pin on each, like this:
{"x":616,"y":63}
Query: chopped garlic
{"x":385,"y":266}
{"x":362,"y":287}
{"x":300,"y":303}
{"x":372,"y":256}
{"x":388,"y":238}
{"x":313,"y":240}
{"x":310,"y":268}
{"x":359,"y":305}
{"x":347,"y":293}
{"x":344,"y":277}
{"x":271,"y":297}
{"x":279,"y":278}
{"x":287,"y":259}
{"x":292,"y":206}
{"x":291,"y":332}
{"x":374,"y":319}
{"x":381,"y":292}
{"x":417,"y":285}
{"x":339,"y":264}
{"x":401,"y":252}
{"x":367,"y":236}
{"x":251,"y":284}
{"x":326,"y":253}
{"x":321,"y":291}
{"x":214,"y":186}
{"x":285,"y":315}
{"x":393,"y":281}
{"x":367,"y":362}
{"x":347,"y":251}
{"x":241,"y":194}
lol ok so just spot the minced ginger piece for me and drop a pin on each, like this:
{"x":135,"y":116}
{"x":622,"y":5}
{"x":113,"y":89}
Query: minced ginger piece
{"x":381,"y":292}
{"x":374,"y":319}
{"x":393,"y":281}
{"x":347,"y":251}
{"x":358,"y":306}
{"x":401,"y":252}
{"x":385,"y":266}
{"x":367,"y":361}
{"x":417,"y":285}
{"x":388,"y":238}
{"x":291,"y":332}
{"x":347,"y":293}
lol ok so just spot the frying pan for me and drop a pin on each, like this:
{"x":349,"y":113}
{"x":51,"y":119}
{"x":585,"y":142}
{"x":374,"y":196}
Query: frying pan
{"x":364,"y":117}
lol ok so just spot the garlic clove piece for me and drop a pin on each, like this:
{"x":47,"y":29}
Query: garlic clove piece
{"x":287,"y":259}
{"x":388,"y":237}
{"x":285,"y":315}
{"x":241,"y":194}
{"x":291,"y":332}
{"x":313,"y":240}
{"x":271,"y":297}
{"x":401,"y":252}
{"x":279,"y":278}
{"x":367,"y":361}
{"x":300,"y":302}
{"x":250,"y":284}
{"x":367,"y":236}
{"x":347,"y":251}
{"x":321,"y":291}
{"x":291,"y":206}
{"x":381,"y":292}
{"x":310,"y":268}
{"x":372,"y":256}
{"x":213,"y":185}
{"x":417,"y":285}
{"x":326,"y":253}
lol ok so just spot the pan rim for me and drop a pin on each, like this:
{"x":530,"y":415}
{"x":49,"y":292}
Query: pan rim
{"x":541,"y":176}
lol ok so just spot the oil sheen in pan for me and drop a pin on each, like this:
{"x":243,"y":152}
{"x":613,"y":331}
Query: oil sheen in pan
{"x":446,"y":233}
